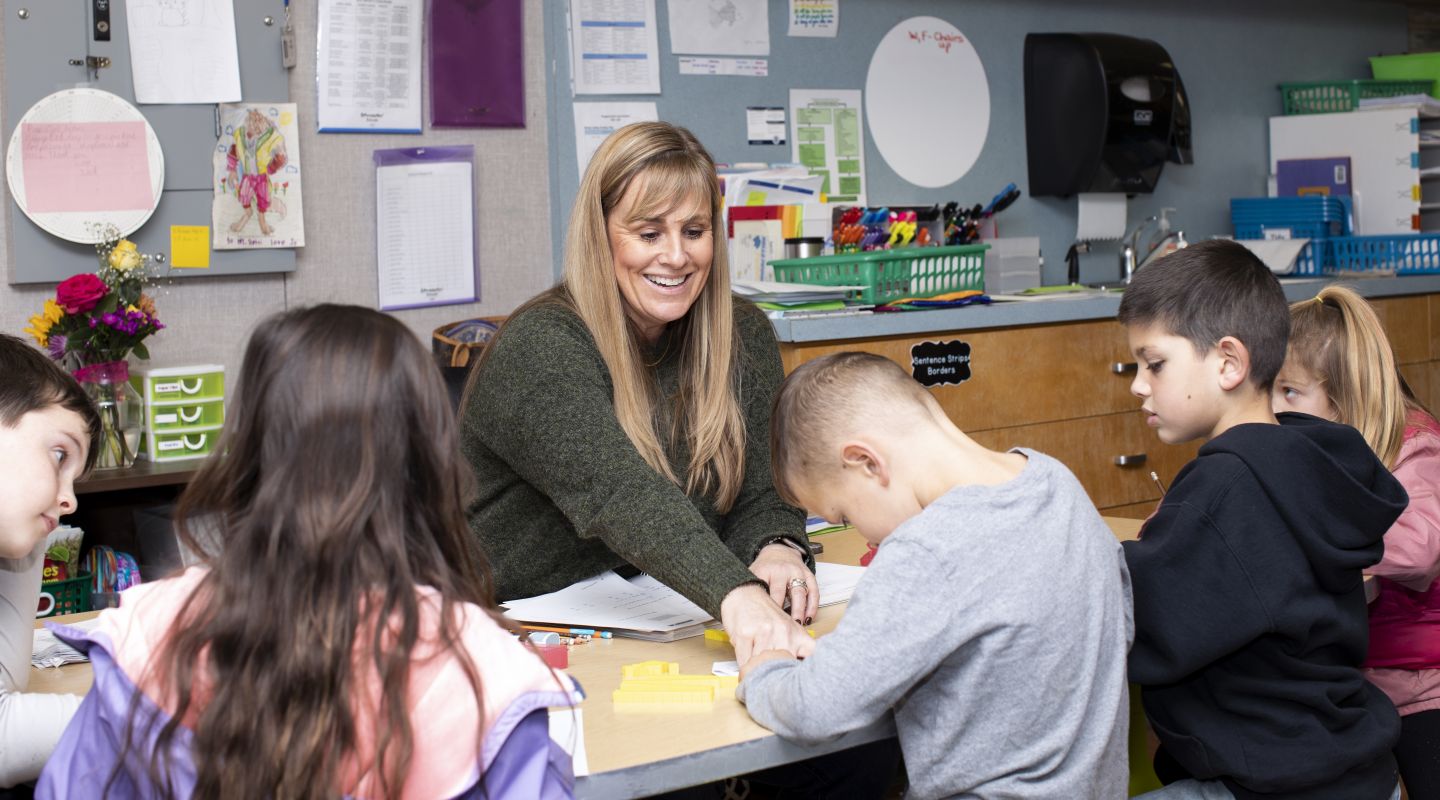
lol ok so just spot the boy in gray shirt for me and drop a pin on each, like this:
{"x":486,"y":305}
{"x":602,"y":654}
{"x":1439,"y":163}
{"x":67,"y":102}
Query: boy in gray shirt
{"x":995,"y":618}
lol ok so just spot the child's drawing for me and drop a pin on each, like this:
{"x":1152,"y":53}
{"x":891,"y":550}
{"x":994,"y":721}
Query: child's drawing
{"x":257,"y":178}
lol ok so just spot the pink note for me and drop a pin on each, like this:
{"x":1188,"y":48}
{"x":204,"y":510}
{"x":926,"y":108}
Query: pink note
{"x":85,"y":166}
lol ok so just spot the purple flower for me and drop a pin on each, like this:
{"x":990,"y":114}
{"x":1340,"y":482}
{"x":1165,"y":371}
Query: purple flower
{"x":56,"y":346}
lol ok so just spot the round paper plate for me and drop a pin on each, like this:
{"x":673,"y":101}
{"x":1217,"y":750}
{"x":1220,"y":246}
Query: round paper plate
{"x":81,"y":160}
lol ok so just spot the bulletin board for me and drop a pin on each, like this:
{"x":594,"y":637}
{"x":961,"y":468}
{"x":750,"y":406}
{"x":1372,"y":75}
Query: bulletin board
{"x":52,"y":45}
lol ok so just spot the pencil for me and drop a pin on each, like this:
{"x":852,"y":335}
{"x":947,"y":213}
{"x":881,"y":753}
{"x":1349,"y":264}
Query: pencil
{"x":1156,"y":478}
{"x":568,"y":631}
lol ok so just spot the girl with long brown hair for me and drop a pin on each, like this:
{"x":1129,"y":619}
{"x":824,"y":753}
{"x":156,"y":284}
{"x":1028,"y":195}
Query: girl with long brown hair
{"x":340,"y":637}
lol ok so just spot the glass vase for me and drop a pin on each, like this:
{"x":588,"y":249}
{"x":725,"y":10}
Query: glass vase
{"x":121,"y":412}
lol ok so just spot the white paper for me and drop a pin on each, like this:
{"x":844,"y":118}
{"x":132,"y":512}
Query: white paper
{"x":724,"y":668}
{"x":746,"y":67}
{"x":720,"y":27}
{"x":368,"y":66}
{"x":595,"y":121}
{"x":928,"y":143}
{"x":827,"y":135}
{"x":1101,"y":216}
{"x":567,"y":729}
{"x":183,"y":51}
{"x":814,"y":18}
{"x":643,"y":603}
{"x":1277,"y":254}
{"x":764,"y":125}
{"x":47,"y":651}
{"x":425,"y":234}
{"x":613,"y":47}
{"x":257,"y":162}
{"x":609,"y":601}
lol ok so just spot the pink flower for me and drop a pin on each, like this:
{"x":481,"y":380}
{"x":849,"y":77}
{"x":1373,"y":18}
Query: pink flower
{"x":80,"y":293}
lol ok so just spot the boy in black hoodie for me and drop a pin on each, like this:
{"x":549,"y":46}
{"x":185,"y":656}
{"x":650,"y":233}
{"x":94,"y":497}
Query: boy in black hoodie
{"x":1250,"y":621}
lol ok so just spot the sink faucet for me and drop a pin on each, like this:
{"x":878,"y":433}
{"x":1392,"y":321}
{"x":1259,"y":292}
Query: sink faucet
{"x":1133,"y":258}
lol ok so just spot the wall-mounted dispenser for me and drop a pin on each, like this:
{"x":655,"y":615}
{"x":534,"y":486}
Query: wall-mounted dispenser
{"x":1103,"y":113}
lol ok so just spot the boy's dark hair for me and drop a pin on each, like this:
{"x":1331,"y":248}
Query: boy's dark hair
{"x":1211,"y":290}
{"x":30,"y":381}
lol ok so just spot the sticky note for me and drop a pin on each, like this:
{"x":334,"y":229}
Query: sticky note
{"x":190,"y":246}
{"x":755,"y":199}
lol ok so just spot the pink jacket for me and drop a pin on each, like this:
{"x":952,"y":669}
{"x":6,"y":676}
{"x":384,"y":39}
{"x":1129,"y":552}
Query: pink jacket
{"x":1405,"y":618}
{"x":514,"y":752}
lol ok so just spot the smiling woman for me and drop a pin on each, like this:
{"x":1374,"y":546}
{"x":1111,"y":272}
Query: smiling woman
{"x":619,"y":420}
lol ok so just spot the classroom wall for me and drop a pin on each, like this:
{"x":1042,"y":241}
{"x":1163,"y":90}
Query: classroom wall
{"x":209,"y":319}
{"x":1231,"y":54}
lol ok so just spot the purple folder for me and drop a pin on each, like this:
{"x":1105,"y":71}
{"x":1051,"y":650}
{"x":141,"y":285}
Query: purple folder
{"x":477,"y":64}
{"x":1297,"y":177}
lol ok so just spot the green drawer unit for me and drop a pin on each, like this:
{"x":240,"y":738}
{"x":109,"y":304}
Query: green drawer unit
{"x":209,"y":414}
{"x":180,"y":445}
{"x":180,"y":384}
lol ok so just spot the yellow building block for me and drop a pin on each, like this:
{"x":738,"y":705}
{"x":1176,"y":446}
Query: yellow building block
{"x":719,"y":634}
{"x":704,"y":696}
{"x":647,"y":669}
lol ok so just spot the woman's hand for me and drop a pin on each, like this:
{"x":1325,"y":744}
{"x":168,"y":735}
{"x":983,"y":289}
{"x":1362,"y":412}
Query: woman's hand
{"x":756,"y":624}
{"x":784,"y":571}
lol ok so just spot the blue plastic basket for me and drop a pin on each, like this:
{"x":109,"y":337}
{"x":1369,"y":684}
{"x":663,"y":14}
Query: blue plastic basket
{"x":1405,"y":254}
{"x":1315,"y":217}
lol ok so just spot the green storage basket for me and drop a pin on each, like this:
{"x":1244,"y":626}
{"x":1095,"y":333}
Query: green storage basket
{"x":892,"y":274}
{"x":1325,"y":97}
{"x":1408,"y":67}
{"x":71,"y":596}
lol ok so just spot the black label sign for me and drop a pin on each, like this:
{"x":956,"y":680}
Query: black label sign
{"x":940,"y":363}
{"x":102,"y":20}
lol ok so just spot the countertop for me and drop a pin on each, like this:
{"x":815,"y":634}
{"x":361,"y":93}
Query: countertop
{"x":1056,"y":308}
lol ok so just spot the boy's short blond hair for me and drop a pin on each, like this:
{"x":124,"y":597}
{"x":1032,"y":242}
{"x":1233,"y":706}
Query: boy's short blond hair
{"x":830,"y":397}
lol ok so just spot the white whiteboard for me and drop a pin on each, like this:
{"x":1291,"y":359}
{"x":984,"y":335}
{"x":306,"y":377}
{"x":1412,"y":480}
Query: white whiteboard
{"x":928,"y":102}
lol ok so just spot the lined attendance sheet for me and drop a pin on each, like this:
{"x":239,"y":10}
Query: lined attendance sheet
{"x":425,"y":234}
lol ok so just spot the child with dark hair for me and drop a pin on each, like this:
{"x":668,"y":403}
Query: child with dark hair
{"x":46,"y":426}
{"x":341,"y":637}
{"x":1250,"y":621}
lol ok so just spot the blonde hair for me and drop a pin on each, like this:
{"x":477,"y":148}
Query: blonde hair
{"x":831,"y":396}
{"x":672,"y":167}
{"x":1337,"y":337}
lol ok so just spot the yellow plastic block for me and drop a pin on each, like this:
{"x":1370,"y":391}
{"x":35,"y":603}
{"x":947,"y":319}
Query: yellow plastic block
{"x":648,"y":669}
{"x":701,"y":696}
{"x":719,"y":634}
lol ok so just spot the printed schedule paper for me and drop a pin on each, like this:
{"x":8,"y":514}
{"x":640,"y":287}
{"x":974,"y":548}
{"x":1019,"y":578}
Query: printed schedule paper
{"x":368,"y":66}
{"x":425,"y":233}
{"x":613,"y":47}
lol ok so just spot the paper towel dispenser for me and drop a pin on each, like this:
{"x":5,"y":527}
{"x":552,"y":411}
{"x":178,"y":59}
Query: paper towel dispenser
{"x":1103,"y":113}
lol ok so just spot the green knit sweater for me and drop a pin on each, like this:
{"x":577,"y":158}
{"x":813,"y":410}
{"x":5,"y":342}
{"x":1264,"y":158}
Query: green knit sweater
{"x":564,"y":495}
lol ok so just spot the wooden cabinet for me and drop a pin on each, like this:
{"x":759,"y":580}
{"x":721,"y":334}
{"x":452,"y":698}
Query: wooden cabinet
{"x":1062,"y":389}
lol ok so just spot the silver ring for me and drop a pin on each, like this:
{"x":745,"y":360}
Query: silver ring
{"x":799,"y":583}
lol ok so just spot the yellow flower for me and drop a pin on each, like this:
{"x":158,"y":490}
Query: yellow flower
{"x":125,"y":257}
{"x":40,"y":324}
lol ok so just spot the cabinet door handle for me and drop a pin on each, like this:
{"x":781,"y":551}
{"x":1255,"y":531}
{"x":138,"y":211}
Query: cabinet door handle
{"x":1122,"y":367}
{"x":1134,"y":460}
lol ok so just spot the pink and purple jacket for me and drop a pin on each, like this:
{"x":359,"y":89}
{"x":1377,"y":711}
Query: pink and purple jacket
{"x":1405,"y":618}
{"x":514,"y":758}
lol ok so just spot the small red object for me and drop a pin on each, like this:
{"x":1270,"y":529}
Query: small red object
{"x":869,"y":554}
{"x":556,"y":655}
